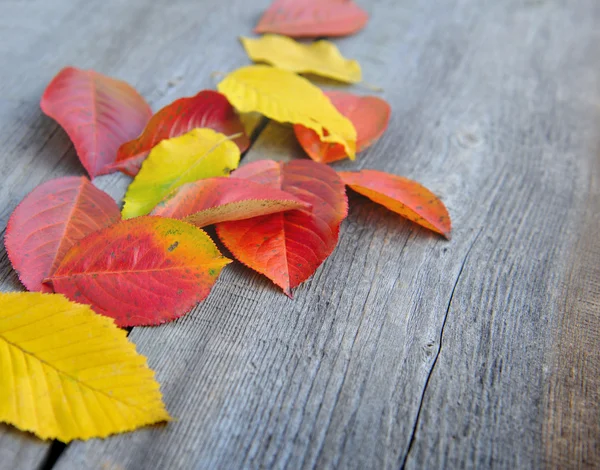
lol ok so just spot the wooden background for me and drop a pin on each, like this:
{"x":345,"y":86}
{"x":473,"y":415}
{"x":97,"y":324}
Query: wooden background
{"x":404,"y":350}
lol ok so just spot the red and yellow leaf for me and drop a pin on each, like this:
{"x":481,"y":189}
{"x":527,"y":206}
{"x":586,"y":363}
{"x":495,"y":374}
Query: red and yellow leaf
{"x":312,"y":18}
{"x":288,"y":247}
{"x":207,"y":109}
{"x":403,"y":196}
{"x":49,"y":221}
{"x":98,"y":113}
{"x":214,"y":200}
{"x":288,"y":98}
{"x":369,"y":114}
{"x":144,"y":271}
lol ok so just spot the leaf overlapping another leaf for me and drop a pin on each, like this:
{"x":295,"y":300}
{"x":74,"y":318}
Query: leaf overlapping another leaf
{"x":143,"y":271}
{"x":49,"y":220}
{"x":286,"y":97}
{"x":201,"y":153}
{"x":214,"y":200}
{"x":206,"y":109}
{"x":370,"y":116}
{"x":68,"y":373}
{"x":289,"y":246}
{"x":98,"y":113}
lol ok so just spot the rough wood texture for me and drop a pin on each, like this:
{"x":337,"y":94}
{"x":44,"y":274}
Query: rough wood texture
{"x":404,"y":349}
{"x":19,"y":450}
{"x":159,"y":48}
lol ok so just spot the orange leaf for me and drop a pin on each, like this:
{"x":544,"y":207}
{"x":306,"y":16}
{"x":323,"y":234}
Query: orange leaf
{"x":98,"y":113}
{"x":369,"y":114}
{"x":289,"y":246}
{"x":142,"y":271}
{"x":207,"y":109}
{"x":403,"y":196}
{"x":49,"y":221}
{"x":312,"y":18}
{"x":213,"y":200}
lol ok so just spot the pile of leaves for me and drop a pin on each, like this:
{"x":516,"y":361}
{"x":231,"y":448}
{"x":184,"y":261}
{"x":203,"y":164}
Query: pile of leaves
{"x":68,"y":370}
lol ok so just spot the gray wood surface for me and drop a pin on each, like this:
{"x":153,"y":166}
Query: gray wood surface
{"x":404,"y":350}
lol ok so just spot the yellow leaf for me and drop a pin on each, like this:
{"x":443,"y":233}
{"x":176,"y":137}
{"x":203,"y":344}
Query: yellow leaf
{"x":201,"y":153}
{"x":287,"y":97}
{"x":320,"y":57}
{"x":69,"y":373}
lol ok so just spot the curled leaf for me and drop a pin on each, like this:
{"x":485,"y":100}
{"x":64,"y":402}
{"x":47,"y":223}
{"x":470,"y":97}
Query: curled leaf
{"x":213,"y":200}
{"x":403,"y":196}
{"x":289,"y":246}
{"x":320,"y":58}
{"x":207,"y":109}
{"x":98,"y":113}
{"x":49,"y":221}
{"x":312,"y":18}
{"x":369,"y":114}
{"x":201,"y":153}
{"x":143,"y":271}
{"x":287,"y":97}
{"x":68,"y":373}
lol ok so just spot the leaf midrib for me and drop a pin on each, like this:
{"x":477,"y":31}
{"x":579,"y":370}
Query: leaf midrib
{"x":129,"y":271}
{"x":69,"y":376}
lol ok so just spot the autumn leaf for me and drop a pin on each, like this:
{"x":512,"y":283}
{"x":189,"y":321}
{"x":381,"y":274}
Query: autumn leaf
{"x":320,"y":58}
{"x":49,"y":221}
{"x":68,"y":373}
{"x":98,"y":113}
{"x":403,"y":196}
{"x":287,"y":97}
{"x":289,"y":246}
{"x":207,"y":109}
{"x":143,"y":271}
{"x":369,"y":114}
{"x":213,"y":200}
{"x":312,"y":18}
{"x":201,"y":153}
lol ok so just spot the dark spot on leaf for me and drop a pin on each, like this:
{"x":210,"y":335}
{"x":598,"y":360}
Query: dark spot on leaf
{"x":173,"y":246}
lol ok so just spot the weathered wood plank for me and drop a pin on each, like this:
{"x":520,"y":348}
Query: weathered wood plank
{"x":20,"y":451}
{"x":572,"y":397}
{"x":495,"y":111}
{"x":496,"y":108}
{"x":165,"y":49}
{"x":516,"y":377}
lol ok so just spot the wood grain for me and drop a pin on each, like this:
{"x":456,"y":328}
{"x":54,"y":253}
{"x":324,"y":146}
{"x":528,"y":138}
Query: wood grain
{"x":20,"y":451}
{"x":404,"y":350}
{"x":159,"y":48}
{"x":571,"y":429}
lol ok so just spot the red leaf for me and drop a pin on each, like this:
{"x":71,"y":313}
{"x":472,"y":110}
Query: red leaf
{"x":289,"y":246}
{"x":207,"y":109}
{"x":213,"y":200}
{"x":369,"y":114}
{"x":312,"y":18}
{"x":49,"y":221}
{"x":142,"y":271}
{"x":98,"y":113}
{"x":403,"y":196}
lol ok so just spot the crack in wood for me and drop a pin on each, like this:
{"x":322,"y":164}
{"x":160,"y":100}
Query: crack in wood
{"x":52,"y":455}
{"x":437,"y":354}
